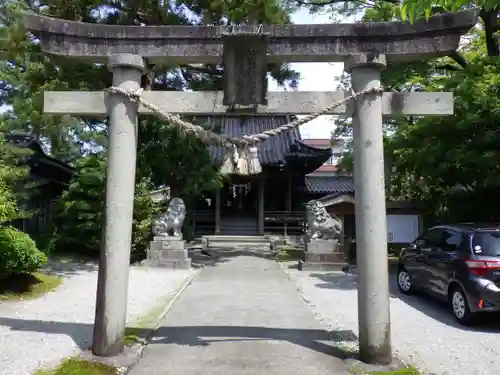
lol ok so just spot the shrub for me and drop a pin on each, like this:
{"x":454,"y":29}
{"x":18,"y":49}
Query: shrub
{"x":18,"y":253}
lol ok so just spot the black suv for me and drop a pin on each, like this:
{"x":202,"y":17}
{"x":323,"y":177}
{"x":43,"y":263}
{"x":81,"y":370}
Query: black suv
{"x":458,"y":263}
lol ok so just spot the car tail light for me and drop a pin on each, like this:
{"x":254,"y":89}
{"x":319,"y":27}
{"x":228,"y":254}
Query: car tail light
{"x":482,"y":267}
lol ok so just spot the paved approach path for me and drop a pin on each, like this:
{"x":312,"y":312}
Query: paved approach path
{"x":241,"y":317}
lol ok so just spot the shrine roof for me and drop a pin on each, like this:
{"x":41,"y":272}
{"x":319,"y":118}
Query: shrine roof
{"x":274,"y":151}
{"x":329,"y":185}
{"x":41,"y":165}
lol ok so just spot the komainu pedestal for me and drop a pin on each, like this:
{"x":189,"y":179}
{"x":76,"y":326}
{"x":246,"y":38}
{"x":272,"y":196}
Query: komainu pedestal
{"x":168,"y":252}
{"x":322,"y":255}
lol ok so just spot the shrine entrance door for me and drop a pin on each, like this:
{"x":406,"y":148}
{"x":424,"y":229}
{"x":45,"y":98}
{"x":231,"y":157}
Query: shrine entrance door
{"x":239,"y":207}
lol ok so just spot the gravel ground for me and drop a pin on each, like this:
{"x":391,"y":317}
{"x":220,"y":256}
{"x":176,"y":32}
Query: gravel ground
{"x":424,"y":332}
{"x":42,"y":332}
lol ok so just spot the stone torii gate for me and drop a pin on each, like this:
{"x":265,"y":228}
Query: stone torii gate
{"x":364,"y":49}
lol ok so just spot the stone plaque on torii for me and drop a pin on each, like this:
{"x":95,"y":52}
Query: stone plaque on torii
{"x":364,"y":48}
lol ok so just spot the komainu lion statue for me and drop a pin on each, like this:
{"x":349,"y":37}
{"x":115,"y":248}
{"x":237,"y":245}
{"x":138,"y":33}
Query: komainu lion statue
{"x":171,"y":221}
{"x":320,"y":224}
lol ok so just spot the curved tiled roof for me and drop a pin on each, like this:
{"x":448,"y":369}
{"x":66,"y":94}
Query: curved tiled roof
{"x":273,"y":151}
{"x":329,"y":184}
{"x":41,"y":165}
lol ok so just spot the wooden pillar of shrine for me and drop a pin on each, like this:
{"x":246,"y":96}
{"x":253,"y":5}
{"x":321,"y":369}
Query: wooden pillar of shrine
{"x":261,"y":204}
{"x":217,"y":211}
{"x":289,"y":193}
{"x":288,"y":203}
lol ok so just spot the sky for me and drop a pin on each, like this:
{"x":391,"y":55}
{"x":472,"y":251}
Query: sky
{"x":314,"y":77}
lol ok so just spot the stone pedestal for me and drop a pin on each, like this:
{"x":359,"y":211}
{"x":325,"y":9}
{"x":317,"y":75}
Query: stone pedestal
{"x":322,"y":255}
{"x":168,"y":252}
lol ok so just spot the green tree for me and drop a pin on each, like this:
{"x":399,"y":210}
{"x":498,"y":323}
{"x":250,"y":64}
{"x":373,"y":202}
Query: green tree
{"x":447,"y":162}
{"x":8,"y":204}
{"x":14,"y":183}
{"x":78,"y":227}
{"x":393,"y":10}
{"x":18,"y":252}
{"x":489,"y":15}
{"x":26,"y":73}
{"x":164,"y":153}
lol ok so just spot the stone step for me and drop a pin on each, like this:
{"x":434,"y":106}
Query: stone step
{"x":237,"y":239}
{"x":325,"y":258}
{"x":239,"y":245}
{"x":175,"y":264}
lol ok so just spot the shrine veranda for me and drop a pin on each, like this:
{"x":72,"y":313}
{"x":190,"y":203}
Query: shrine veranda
{"x":365,"y":49}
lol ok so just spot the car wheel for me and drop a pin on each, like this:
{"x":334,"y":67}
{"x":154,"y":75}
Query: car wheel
{"x":460,"y":307}
{"x":404,"y":281}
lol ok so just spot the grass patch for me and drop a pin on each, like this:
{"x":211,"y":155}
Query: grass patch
{"x":72,"y":366}
{"x":28,"y":286}
{"x":289,"y":253}
{"x":135,"y":335}
{"x":403,"y":371}
{"x":137,"y":332}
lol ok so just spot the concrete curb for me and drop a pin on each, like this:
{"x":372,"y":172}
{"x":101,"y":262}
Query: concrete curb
{"x":139,"y":347}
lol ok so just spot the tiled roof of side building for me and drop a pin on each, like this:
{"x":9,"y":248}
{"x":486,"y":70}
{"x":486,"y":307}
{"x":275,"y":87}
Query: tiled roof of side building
{"x":329,"y":184}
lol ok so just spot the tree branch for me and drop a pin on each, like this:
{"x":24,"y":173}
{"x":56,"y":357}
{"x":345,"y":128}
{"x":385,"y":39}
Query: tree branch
{"x":202,"y":69}
{"x":447,"y":67}
{"x":459,"y":59}
{"x":491,"y":25}
{"x":320,"y":3}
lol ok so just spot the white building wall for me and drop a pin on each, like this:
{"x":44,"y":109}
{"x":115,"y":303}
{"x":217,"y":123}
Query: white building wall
{"x":402,"y":228}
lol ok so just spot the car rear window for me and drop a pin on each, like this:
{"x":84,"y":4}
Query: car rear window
{"x":486,"y":243}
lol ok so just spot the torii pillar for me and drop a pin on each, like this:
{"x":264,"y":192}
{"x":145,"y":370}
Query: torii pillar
{"x":371,"y":220}
{"x":114,"y":262}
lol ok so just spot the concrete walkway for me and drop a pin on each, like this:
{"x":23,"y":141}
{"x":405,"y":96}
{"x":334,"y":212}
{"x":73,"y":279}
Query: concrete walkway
{"x":242,"y":316}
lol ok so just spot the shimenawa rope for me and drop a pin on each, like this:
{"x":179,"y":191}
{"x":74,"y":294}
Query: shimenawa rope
{"x":241,"y":148}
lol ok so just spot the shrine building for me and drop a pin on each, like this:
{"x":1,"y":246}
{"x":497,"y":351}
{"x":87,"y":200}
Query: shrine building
{"x":273,"y":201}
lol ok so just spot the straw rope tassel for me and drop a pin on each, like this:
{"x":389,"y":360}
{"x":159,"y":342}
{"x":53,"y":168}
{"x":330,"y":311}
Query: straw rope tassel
{"x":254,"y":166}
{"x":230,"y":161}
{"x":242,"y":167}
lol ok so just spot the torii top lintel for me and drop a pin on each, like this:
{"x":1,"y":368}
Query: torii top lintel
{"x":437,"y":36}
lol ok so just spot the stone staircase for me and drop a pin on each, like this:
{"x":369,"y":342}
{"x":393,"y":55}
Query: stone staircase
{"x":237,"y":241}
{"x":239,"y":226}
